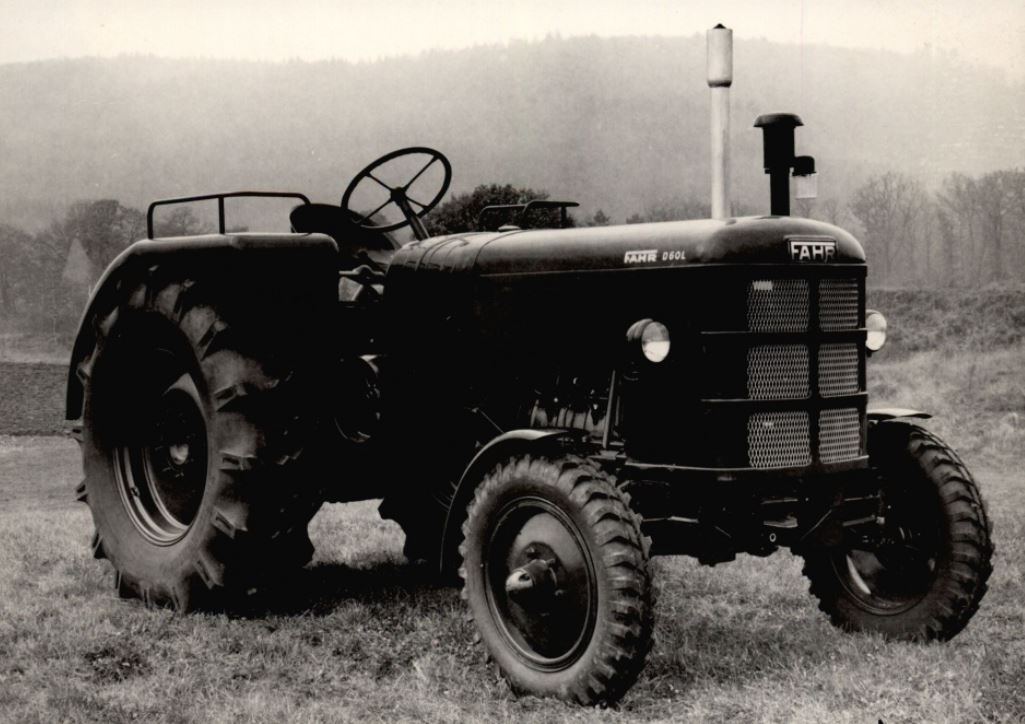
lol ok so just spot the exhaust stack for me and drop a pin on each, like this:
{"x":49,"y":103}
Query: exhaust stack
{"x":720,"y":78}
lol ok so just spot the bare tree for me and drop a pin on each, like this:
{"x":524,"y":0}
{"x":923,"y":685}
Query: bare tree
{"x":890,"y":208}
{"x":982,"y":225}
{"x":958,"y":219}
{"x":831,"y":210}
{"x":995,"y":203}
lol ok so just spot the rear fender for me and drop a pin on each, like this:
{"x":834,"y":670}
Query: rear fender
{"x":506,"y":445}
{"x":303,"y":258}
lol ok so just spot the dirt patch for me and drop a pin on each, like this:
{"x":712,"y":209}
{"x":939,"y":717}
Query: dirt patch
{"x":32,"y":398}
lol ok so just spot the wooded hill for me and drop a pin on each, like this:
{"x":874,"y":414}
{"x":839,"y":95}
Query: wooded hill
{"x":617,"y":124}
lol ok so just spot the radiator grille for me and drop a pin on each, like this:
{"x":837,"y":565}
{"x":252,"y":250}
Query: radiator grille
{"x":838,"y":304}
{"x":777,"y":305}
{"x":839,"y":435}
{"x":783,"y":371}
{"x":778,"y":439}
{"x":777,"y":371}
{"x":838,"y":370}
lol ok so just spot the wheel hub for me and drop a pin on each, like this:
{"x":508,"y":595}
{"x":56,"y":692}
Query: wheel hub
{"x":535,"y":586}
{"x":542,"y":586}
{"x":179,"y":453}
{"x":162,"y":460}
{"x":893,"y":572}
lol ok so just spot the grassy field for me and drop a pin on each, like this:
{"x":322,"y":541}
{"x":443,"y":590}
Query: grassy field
{"x":362,"y":636}
{"x":32,"y":398}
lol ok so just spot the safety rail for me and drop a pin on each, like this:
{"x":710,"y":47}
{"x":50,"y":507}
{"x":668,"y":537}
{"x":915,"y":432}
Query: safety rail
{"x":525,"y":209}
{"x":220,"y":204}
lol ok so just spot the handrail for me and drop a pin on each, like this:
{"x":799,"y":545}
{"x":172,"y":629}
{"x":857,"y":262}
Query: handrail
{"x":220,"y":204}
{"x":526,"y":208}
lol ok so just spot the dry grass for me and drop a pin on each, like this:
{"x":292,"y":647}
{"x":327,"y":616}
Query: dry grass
{"x":977,"y":398}
{"x":32,"y":398}
{"x":362,"y":637}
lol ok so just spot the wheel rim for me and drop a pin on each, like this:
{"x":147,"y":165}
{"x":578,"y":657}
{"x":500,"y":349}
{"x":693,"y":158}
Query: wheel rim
{"x":541,"y":584}
{"x":161,"y":465}
{"x":895,"y":575}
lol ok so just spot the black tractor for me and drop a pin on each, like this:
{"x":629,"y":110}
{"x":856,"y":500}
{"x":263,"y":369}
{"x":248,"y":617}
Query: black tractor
{"x":540,"y":410}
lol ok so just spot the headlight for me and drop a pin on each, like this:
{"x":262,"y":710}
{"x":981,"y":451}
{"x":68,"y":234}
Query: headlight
{"x":655,"y":341}
{"x":875,"y":324}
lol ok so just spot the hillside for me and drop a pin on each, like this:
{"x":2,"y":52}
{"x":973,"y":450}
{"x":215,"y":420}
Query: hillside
{"x":617,"y":124}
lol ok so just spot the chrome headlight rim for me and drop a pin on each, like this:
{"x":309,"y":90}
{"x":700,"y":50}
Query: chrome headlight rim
{"x":875,"y":330}
{"x":651,"y":339}
{"x":655,"y":342}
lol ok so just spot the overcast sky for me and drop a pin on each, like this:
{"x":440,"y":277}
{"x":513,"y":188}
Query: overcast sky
{"x":990,"y":32}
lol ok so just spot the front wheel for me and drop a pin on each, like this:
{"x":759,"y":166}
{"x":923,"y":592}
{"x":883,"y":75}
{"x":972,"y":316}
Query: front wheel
{"x":556,"y":578}
{"x":924,"y":579}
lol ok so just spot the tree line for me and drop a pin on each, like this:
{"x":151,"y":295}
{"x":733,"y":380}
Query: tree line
{"x":46,"y":277}
{"x":968,"y":232}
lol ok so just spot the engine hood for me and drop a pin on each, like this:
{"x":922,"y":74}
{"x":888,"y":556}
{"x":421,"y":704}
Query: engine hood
{"x":747,"y":240}
{"x":680,"y":243}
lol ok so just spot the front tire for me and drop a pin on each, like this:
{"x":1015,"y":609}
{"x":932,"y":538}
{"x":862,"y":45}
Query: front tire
{"x":197,"y":408}
{"x":926,"y":582}
{"x":556,"y":578}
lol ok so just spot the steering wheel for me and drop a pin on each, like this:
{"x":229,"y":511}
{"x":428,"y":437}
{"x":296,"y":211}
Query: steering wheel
{"x":399,"y":195}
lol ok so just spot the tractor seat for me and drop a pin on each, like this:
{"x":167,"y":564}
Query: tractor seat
{"x":356,"y":245}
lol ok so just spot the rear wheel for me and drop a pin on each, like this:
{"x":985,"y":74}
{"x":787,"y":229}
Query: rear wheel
{"x":192,"y":441}
{"x":925,"y":577}
{"x":556,"y":579}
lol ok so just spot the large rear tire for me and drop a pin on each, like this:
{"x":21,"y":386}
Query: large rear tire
{"x":197,"y":406}
{"x":556,"y":578}
{"x":925,"y":581}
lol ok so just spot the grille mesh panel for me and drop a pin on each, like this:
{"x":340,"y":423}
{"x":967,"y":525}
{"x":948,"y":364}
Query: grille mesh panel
{"x":839,"y":435}
{"x":782,"y":438}
{"x":778,"y":439}
{"x":838,"y":369}
{"x":838,"y":304}
{"x":777,"y":305}
{"x":777,"y":371}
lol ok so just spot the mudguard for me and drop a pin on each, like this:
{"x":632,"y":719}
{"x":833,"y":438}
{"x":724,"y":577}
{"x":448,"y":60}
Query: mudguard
{"x":514,"y":442}
{"x":877,"y":414}
{"x":309,"y":258}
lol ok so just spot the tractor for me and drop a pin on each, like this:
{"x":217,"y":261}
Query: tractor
{"x":540,"y":410}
